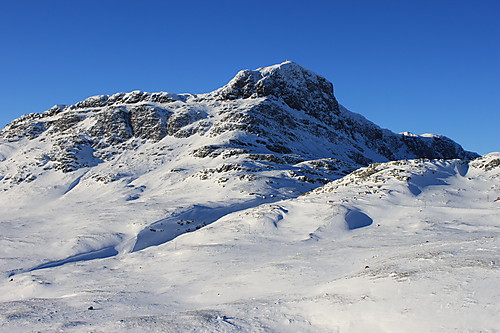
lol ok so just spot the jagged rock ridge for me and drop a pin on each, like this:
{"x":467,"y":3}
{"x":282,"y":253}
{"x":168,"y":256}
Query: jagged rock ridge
{"x":282,"y":115}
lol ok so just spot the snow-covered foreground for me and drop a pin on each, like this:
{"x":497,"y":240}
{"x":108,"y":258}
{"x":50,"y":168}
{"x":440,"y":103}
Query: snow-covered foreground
{"x":405,"y":246}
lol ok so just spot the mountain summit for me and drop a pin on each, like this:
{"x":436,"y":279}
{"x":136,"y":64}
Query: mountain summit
{"x":298,"y":87}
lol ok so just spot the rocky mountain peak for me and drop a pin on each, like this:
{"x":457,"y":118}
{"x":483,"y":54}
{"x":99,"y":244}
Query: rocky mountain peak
{"x":298,"y":87}
{"x":284,"y":117}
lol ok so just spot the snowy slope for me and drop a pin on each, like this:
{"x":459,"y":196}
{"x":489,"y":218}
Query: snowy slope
{"x":425,"y":260}
{"x":181,"y":212}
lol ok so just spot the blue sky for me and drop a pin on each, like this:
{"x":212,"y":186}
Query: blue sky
{"x":420,"y":66}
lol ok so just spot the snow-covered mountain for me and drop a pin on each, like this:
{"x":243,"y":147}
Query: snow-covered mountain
{"x":281,"y":115}
{"x":263,"y":206}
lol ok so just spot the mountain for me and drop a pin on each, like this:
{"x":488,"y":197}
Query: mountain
{"x":269,"y":134}
{"x":263,"y":206}
{"x":283,"y":115}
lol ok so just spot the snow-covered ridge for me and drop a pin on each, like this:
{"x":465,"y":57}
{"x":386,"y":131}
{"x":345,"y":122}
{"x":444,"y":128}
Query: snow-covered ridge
{"x":132,"y":97}
{"x":416,"y":174}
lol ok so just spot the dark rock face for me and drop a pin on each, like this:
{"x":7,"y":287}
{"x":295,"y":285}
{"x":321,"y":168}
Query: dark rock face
{"x":149,"y":122}
{"x":179,"y":124}
{"x":27,"y":126}
{"x":72,"y":153}
{"x":435,"y":147}
{"x":298,"y":87}
{"x":113,"y":125}
{"x":65,"y":123}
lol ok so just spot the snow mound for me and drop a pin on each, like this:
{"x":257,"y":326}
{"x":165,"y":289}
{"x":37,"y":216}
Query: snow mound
{"x":356,"y":219}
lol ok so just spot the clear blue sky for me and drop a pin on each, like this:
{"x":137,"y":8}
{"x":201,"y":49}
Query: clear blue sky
{"x":420,"y":66}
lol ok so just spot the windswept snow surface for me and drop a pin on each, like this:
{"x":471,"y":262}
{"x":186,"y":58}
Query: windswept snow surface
{"x":404,"y":246}
{"x":165,"y":212}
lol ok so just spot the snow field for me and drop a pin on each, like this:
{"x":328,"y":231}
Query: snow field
{"x":427,"y":262}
